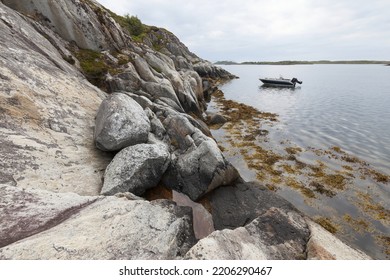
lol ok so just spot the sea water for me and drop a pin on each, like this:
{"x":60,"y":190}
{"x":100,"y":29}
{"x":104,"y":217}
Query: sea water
{"x":346,"y":106}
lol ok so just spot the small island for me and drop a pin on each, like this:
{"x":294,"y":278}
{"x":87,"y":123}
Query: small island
{"x":302,"y":62}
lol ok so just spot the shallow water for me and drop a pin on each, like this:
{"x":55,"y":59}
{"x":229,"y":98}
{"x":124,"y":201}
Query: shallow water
{"x":342,"y":106}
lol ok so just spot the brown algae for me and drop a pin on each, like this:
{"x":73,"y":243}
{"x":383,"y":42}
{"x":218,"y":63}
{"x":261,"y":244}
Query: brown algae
{"x":313,"y":174}
{"x":359,"y":225}
{"x":327,"y":224}
{"x":385,"y":241}
{"x":372,"y":208}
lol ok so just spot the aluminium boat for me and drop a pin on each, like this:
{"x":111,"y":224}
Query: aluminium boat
{"x":280,"y":82}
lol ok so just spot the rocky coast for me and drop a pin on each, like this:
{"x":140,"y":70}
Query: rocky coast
{"x":106,"y":154}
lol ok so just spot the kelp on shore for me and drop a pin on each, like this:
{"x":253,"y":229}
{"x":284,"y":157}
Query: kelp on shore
{"x":313,"y":175}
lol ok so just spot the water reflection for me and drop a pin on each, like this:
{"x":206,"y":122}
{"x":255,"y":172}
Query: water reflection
{"x":273,"y":89}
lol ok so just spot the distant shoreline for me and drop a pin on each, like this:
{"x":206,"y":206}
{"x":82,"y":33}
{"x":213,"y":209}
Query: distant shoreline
{"x":298,"y":62}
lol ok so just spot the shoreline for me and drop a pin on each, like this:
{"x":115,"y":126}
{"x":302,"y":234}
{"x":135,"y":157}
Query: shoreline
{"x":89,"y":131}
{"x":309,"y":62}
{"x":283,"y":168}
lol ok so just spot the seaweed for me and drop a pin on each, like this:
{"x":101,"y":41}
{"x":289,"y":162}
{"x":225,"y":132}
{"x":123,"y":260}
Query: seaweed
{"x":327,"y":224}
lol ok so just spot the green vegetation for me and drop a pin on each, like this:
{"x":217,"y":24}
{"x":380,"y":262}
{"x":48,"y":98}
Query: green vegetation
{"x":226,"y":62}
{"x":93,"y":65}
{"x":134,"y":25}
{"x":138,"y":31}
{"x":299,"y":62}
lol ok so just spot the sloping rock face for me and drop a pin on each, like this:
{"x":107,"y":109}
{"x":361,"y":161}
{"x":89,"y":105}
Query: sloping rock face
{"x":183,"y":58}
{"x":72,"y":21}
{"x":99,"y":227}
{"x":47,"y":113}
{"x":27,"y":212}
{"x":54,"y":106}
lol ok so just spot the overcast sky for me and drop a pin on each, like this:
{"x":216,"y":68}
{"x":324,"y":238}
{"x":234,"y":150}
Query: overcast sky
{"x":270,"y":30}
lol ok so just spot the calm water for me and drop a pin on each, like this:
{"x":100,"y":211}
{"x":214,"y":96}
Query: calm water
{"x":347,"y":106}
{"x":337,"y":105}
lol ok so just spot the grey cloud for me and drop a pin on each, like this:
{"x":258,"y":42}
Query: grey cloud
{"x":271,"y":30}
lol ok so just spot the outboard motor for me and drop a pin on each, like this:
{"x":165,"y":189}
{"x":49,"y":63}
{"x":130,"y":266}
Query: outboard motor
{"x":295,"y":80}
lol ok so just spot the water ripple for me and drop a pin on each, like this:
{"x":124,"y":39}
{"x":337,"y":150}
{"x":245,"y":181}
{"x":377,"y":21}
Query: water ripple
{"x":337,"y":105}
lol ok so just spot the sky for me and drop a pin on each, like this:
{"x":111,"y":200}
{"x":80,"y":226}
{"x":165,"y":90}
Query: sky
{"x":270,"y":30}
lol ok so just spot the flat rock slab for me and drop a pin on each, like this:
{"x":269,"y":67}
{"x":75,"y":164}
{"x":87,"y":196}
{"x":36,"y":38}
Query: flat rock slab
{"x":325,"y":246}
{"x":110,"y":228}
{"x":25,"y":212}
{"x":277,"y":235}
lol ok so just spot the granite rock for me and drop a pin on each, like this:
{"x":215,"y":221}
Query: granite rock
{"x":25,"y":212}
{"x":120,"y":122}
{"x":87,"y":24}
{"x":277,"y":234}
{"x":105,"y":228}
{"x":197,"y":165}
{"x":239,"y":204}
{"x":136,"y":169}
{"x":325,"y":246}
{"x":47,"y":114}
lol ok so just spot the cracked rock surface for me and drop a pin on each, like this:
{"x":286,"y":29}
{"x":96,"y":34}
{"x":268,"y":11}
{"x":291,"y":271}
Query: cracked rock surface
{"x":104,"y":228}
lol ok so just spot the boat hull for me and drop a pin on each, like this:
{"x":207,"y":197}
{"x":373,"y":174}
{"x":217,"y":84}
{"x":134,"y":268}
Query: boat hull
{"x":277,"y":83}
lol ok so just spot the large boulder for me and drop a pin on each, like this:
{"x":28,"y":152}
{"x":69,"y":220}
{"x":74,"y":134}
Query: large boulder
{"x":136,"y":169}
{"x":120,"y":122}
{"x":239,"y":204}
{"x":253,"y":222}
{"x":97,"y":228}
{"x":163,"y":90}
{"x":277,"y":234}
{"x":197,"y":165}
